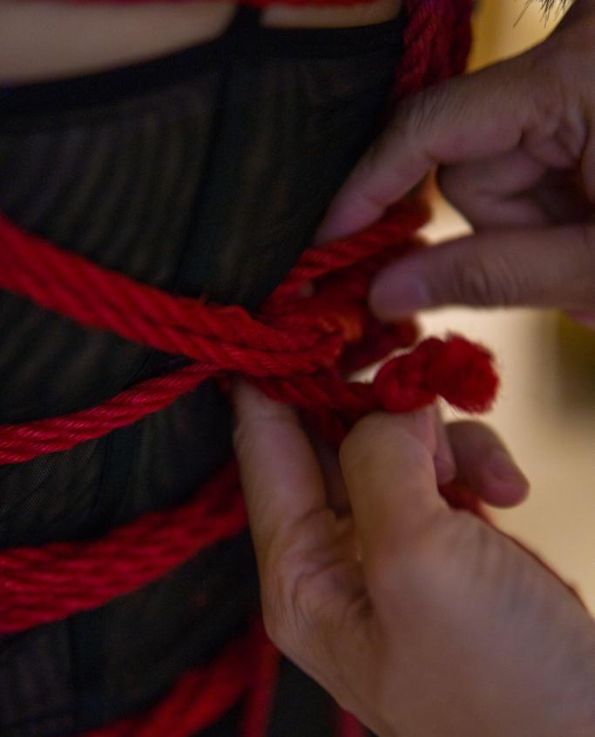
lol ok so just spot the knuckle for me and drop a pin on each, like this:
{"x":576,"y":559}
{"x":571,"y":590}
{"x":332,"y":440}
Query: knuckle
{"x":558,"y":106}
{"x":355,"y":451}
{"x":484,"y":284}
{"x":570,"y":49}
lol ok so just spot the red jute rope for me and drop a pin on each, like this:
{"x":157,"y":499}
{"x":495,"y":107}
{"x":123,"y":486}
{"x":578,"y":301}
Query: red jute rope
{"x":47,"y":583}
{"x":180,"y":714}
{"x":297,"y":349}
{"x":292,"y":338}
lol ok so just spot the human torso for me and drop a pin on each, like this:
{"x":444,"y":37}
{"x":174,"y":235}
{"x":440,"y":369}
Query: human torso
{"x":41,"y":40}
{"x":204,"y":172}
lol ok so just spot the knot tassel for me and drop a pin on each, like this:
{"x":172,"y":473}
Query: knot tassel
{"x":455,"y":369}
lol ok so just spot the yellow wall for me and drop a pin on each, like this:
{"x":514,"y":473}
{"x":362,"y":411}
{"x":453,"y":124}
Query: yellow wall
{"x":506,"y":27}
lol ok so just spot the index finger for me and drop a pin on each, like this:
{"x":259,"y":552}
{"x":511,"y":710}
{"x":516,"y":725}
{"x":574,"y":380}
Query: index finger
{"x":282,"y":481}
{"x":387,"y":461}
{"x":483,"y":114}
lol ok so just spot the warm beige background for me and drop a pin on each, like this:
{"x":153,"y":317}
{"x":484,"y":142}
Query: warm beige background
{"x":547,"y":406}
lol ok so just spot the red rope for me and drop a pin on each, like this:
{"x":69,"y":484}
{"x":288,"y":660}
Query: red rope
{"x":180,"y":714}
{"x":297,"y":340}
{"x":303,"y":339}
{"x":437,"y":42}
{"x":258,"y":709}
{"x":297,"y":350}
{"x":349,"y":726}
{"x":47,"y":583}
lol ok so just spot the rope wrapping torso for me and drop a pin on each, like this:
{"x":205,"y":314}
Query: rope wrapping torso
{"x":45,"y":583}
{"x":297,"y":349}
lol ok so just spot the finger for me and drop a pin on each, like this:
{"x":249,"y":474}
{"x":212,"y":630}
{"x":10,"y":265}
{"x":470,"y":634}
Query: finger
{"x":307,"y":582}
{"x":492,"y":193}
{"x":388,"y":467}
{"x":513,"y":190}
{"x":543,"y":267}
{"x":280,"y":475}
{"x":444,"y":462}
{"x":474,"y":117}
{"x":336,"y":494}
{"x":485,"y":464}
{"x":563,"y":197}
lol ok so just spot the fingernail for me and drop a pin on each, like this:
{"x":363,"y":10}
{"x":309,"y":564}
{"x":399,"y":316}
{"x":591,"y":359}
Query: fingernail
{"x":393,"y":295}
{"x":501,"y":468}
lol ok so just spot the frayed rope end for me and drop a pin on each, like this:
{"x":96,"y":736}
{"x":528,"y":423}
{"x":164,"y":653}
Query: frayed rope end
{"x":455,"y":369}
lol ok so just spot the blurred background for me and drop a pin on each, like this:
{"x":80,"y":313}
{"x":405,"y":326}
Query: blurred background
{"x":546,"y":410}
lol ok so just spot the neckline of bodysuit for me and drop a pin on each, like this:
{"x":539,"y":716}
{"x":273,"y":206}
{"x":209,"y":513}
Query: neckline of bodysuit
{"x":245,"y":39}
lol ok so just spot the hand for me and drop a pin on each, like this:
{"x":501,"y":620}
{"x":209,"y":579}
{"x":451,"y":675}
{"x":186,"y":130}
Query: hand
{"x":515,"y":149}
{"x":423,"y":621}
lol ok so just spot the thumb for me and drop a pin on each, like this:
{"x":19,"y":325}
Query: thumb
{"x":388,"y":468}
{"x":543,"y":267}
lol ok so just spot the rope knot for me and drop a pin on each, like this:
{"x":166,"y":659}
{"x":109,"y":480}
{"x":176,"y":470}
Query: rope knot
{"x":455,"y":369}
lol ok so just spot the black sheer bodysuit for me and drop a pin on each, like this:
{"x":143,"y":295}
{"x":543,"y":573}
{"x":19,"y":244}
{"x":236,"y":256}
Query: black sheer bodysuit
{"x":204,"y":173}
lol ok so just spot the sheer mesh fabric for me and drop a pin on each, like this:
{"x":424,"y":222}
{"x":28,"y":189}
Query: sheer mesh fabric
{"x":203,"y":173}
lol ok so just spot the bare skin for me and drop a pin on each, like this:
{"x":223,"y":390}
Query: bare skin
{"x":44,"y":40}
{"x":514,"y":147}
{"x":421,"y":620}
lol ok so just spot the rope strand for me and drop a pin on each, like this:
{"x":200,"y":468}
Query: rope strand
{"x":297,"y":350}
